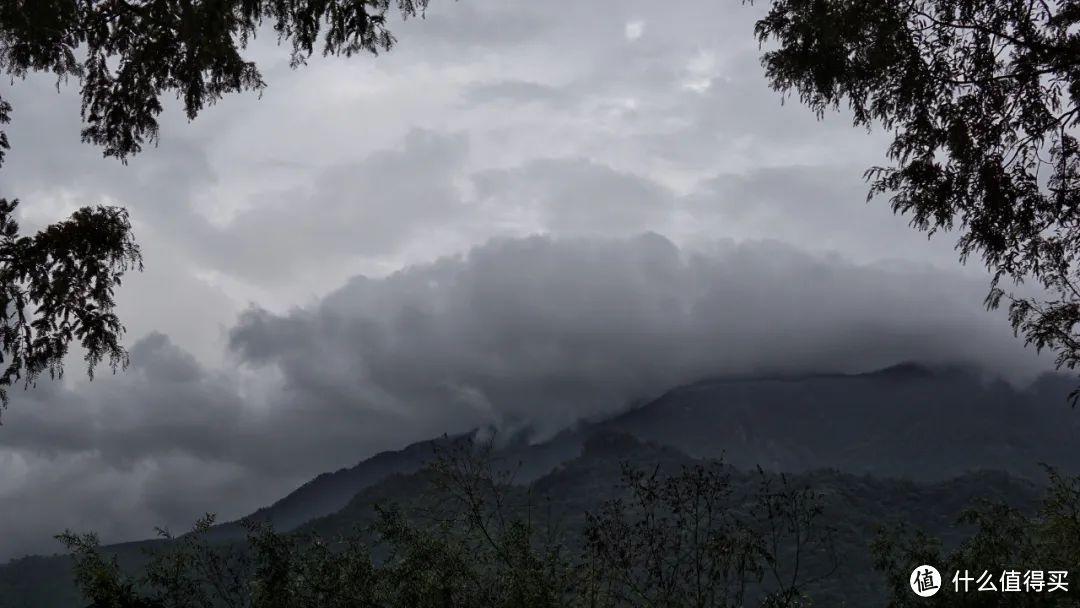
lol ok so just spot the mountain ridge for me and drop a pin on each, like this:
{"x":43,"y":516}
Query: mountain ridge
{"x":330,"y":491}
{"x":901,"y":425}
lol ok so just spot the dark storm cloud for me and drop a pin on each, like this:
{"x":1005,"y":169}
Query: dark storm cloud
{"x":541,"y":332}
{"x":167,"y":404}
{"x":166,"y":441}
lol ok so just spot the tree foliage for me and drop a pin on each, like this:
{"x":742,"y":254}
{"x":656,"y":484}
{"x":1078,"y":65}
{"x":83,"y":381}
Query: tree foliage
{"x":126,"y":54}
{"x":983,"y":100}
{"x":57,"y":286}
{"x":1002,"y":538}
{"x":684,"y":540}
{"x":477,"y":540}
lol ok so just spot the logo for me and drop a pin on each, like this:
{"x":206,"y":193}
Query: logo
{"x":925,"y":581}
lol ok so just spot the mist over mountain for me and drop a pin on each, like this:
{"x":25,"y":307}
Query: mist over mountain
{"x":530,"y":336}
{"x":909,"y":421}
{"x":539,"y":333}
{"x":952,"y":434}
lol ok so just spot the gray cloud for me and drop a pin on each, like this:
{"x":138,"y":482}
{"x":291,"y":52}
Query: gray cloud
{"x":460,"y":26}
{"x":513,"y":92}
{"x":348,"y":166}
{"x":164,"y":442}
{"x":818,"y":208}
{"x":358,"y":209}
{"x":574,"y":196}
{"x":540,"y":332}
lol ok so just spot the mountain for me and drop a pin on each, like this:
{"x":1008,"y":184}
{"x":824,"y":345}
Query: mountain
{"x":329,"y":492}
{"x":908,"y":435}
{"x":855,"y":506}
{"x":907,"y":421}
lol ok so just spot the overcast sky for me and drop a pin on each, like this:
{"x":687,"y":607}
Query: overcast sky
{"x":521,"y":215}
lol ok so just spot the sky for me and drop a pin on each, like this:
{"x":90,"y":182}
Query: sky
{"x":520,"y":216}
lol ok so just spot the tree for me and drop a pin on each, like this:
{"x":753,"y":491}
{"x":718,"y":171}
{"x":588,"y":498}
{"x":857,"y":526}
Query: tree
{"x":982,"y":98}
{"x":58,"y":285}
{"x":686,"y":540}
{"x":473,"y":538}
{"x":1001,"y":539}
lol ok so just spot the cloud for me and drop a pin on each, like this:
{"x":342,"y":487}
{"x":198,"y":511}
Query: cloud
{"x":576,"y":196}
{"x":818,"y":208}
{"x":483,"y":26}
{"x":517,"y":92}
{"x":350,"y":210}
{"x":162,"y":443}
{"x":357,"y":165}
{"x":543,"y":331}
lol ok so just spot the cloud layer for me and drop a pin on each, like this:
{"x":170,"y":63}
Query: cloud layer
{"x":540,"y":332}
